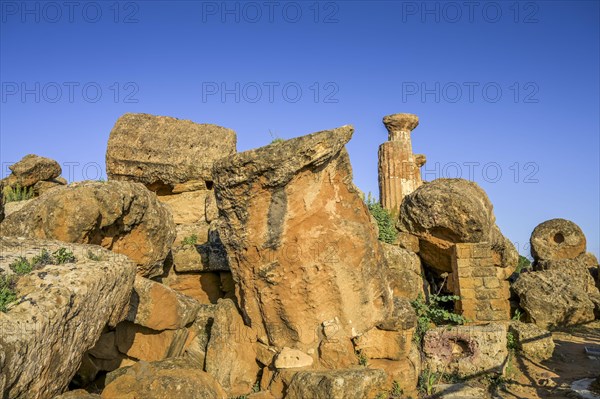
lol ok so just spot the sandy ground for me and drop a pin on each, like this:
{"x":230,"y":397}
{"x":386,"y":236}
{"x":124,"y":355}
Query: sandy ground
{"x":552,"y":378}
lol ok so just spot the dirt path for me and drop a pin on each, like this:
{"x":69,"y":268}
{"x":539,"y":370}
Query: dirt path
{"x":551,"y":378}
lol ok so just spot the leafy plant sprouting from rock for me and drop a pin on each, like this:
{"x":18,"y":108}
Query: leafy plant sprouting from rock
{"x":387,"y":230}
{"x":427,"y":380}
{"x":190,"y":240}
{"x":433,"y":311}
{"x":7,"y":291}
{"x":511,"y":341}
{"x":396,"y":392}
{"x":17,"y":193}
{"x":63,"y":255}
{"x":21,"y":266}
{"x":43,"y":259}
{"x":363,"y":360}
{"x":524,"y":264}
{"x":275,"y":138}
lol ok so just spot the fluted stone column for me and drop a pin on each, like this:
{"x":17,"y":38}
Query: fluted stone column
{"x":399,"y":173}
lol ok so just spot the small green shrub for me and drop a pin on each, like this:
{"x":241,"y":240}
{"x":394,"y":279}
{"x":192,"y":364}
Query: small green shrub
{"x":363,"y":360}
{"x":43,"y":259}
{"x":7,"y":292}
{"x":21,"y":266}
{"x":17,"y":193}
{"x":518,"y":315}
{"x":277,"y":140}
{"x":433,"y":312}
{"x":427,"y":380}
{"x":63,"y":255}
{"x":524,"y":264}
{"x":511,"y":341}
{"x":385,"y":222}
{"x":396,"y":392}
{"x":190,"y":240}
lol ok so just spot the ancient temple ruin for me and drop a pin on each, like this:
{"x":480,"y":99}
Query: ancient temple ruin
{"x":399,"y":168}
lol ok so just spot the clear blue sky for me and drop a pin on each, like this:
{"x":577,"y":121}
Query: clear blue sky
{"x":500,"y":87}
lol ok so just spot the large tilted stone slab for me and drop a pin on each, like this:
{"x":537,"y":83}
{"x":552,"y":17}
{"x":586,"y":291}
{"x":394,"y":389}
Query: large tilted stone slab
{"x":162,"y":152}
{"x":300,"y":241}
{"x":158,"y":307}
{"x":171,"y":378}
{"x":121,"y":216}
{"x":230,"y":354}
{"x":60,"y":314}
{"x":359,"y":383}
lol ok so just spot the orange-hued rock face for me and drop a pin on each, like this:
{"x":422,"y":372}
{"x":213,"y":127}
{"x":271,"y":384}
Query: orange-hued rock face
{"x":121,"y":216}
{"x":301,"y":244}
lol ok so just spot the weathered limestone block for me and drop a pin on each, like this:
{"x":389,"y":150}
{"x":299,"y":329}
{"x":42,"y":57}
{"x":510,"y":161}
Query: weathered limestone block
{"x":211,"y":212}
{"x":453,"y":210}
{"x":32,"y":169}
{"x":265,"y":354}
{"x":195,"y":348}
{"x":203,"y":287}
{"x":557,"y":239}
{"x":187,"y":207}
{"x":577,"y":270}
{"x":146,"y":344}
{"x":172,"y":378}
{"x":405,"y":371}
{"x":408,"y":241}
{"x":552,"y":298}
{"x":290,"y":358}
{"x":14,"y":206}
{"x":381,"y":344}
{"x":404,"y":272}
{"x":359,"y":383}
{"x":399,"y":174}
{"x":78,"y":394}
{"x":207,"y":255}
{"x":121,"y":216}
{"x":402,"y":318}
{"x":466,"y":350}
{"x":337,"y":353}
{"x":534,"y":342}
{"x":166,"y":154}
{"x":158,"y":307}
{"x":42,"y":340}
{"x":300,"y":242}
{"x":44,"y":186}
{"x":231,"y":354}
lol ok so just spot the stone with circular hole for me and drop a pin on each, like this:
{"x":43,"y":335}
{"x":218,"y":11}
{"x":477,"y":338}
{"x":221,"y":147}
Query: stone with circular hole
{"x":557,"y":239}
